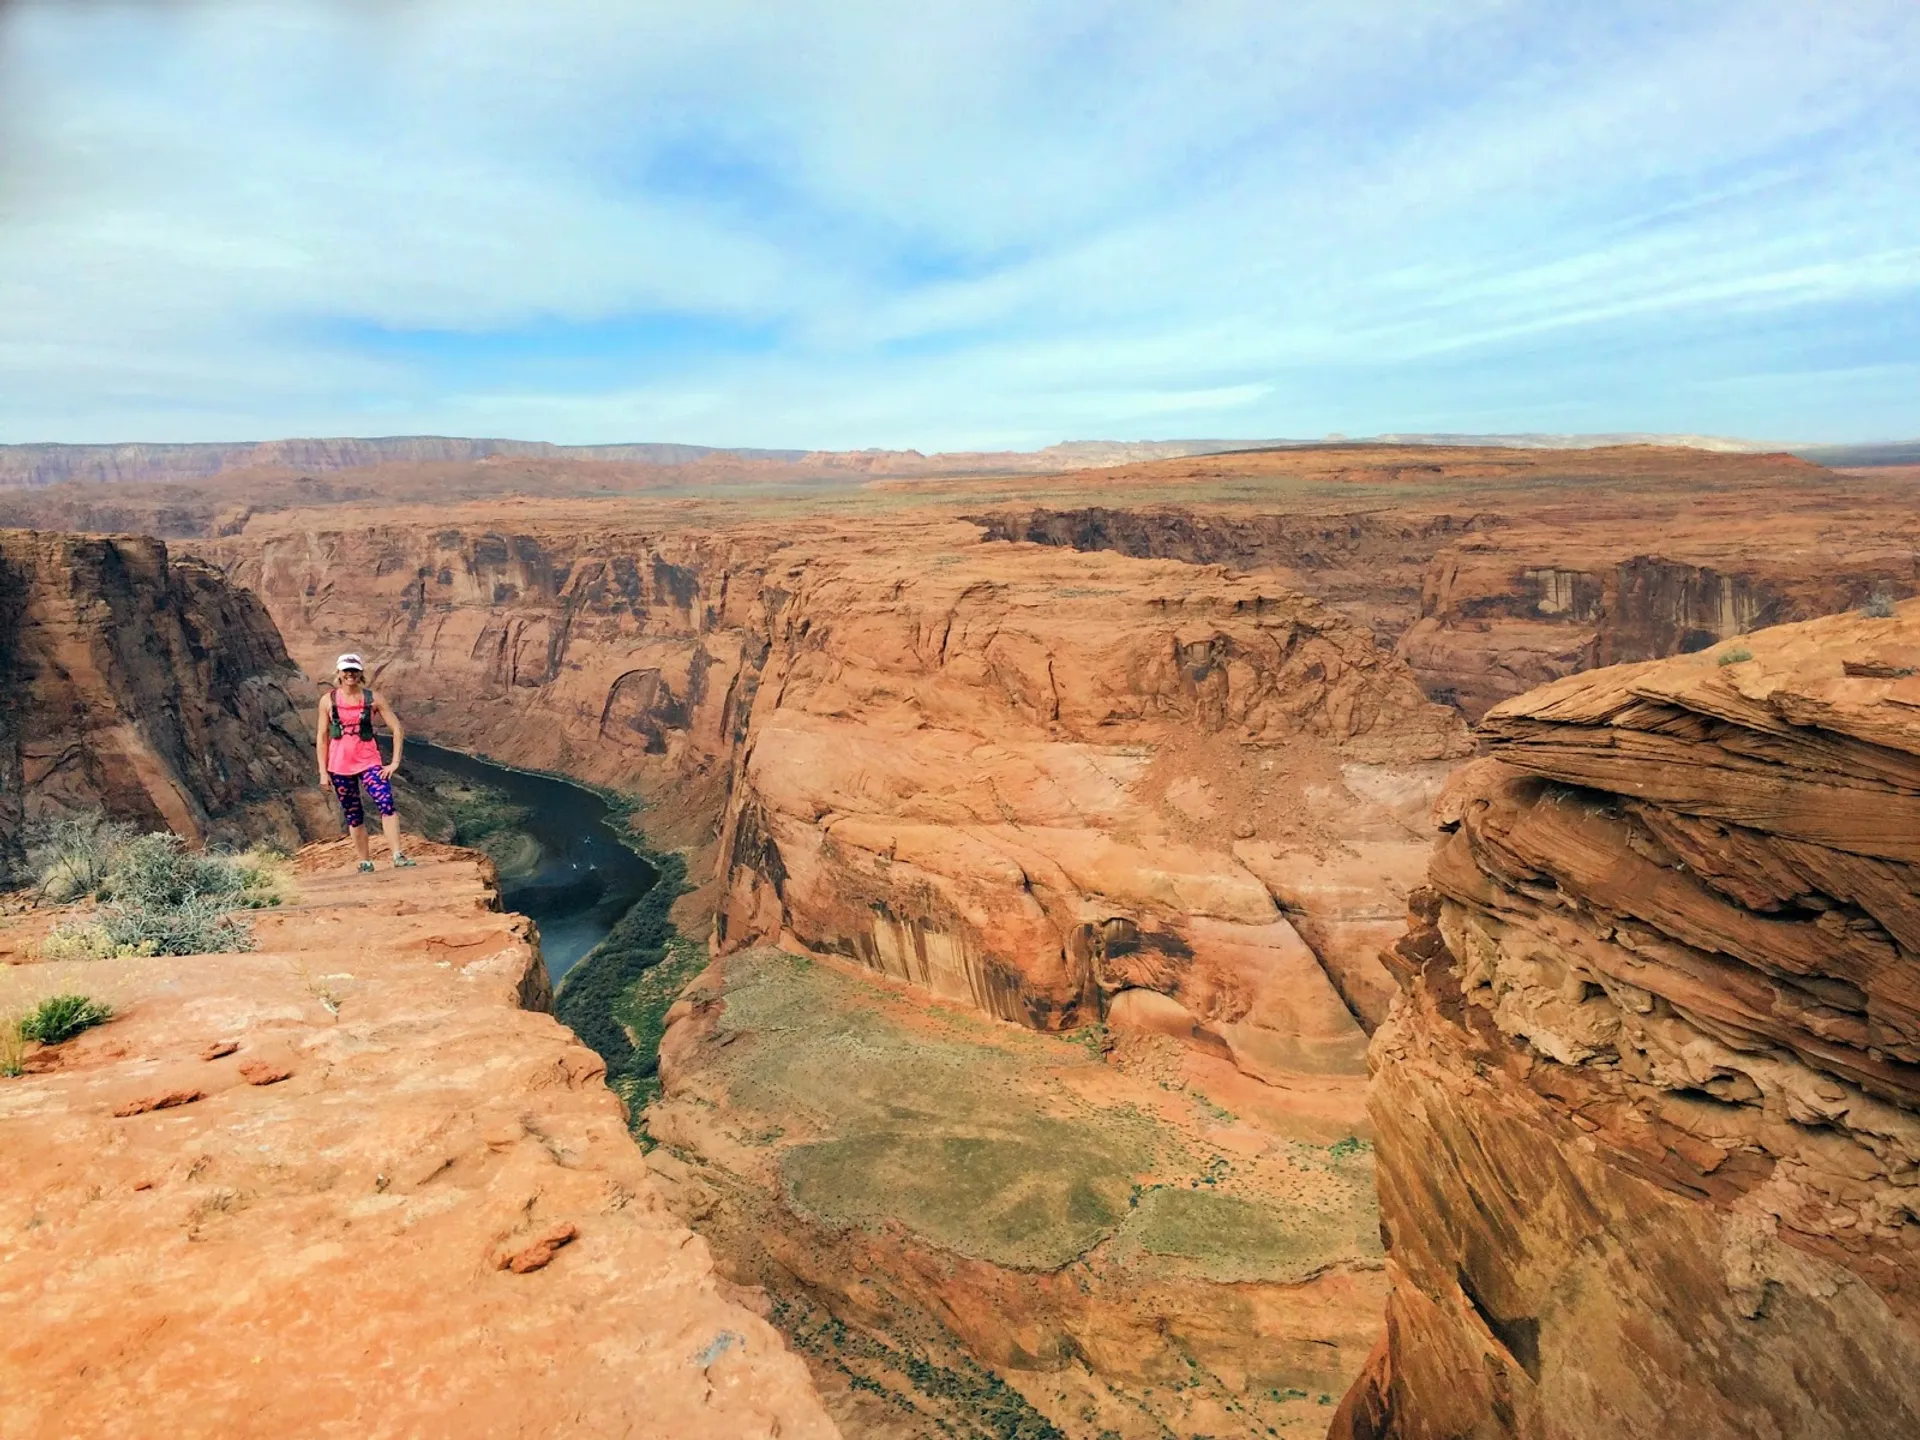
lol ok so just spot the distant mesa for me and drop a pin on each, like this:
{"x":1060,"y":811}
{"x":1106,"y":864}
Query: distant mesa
{"x":133,"y":463}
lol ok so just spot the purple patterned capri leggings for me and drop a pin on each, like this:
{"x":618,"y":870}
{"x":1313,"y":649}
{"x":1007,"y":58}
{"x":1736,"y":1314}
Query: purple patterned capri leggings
{"x":347,"y":787}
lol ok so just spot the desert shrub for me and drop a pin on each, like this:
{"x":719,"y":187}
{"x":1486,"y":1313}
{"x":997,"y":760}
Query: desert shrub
{"x":1736,"y":655}
{"x":72,"y":856}
{"x":159,"y":898}
{"x":158,"y":872}
{"x":76,"y":940}
{"x":198,"y":925}
{"x":266,"y":877}
{"x":1879,"y":606}
{"x":13,"y":1047}
{"x":61,"y":1017}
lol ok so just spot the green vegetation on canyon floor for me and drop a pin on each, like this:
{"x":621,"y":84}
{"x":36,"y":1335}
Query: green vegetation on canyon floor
{"x":617,"y":997}
{"x":982,"y":1138}
{"x":893,"y":1169}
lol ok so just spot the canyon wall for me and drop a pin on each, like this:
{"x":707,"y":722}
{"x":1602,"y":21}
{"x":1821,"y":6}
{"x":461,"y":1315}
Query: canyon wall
{"x":1486,"y":605}
{"x":1646,"y":1119}
{"x":1030,"y":781}
{"x":580,"y":642}
{"x":1022,"y":778}
{"x":149,"y":687}
{"x":1501,"y":615}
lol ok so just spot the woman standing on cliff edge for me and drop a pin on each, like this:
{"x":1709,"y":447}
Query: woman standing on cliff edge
{"x":348,"y":755}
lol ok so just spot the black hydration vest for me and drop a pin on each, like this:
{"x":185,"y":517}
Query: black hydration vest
{"x":366,"y":715}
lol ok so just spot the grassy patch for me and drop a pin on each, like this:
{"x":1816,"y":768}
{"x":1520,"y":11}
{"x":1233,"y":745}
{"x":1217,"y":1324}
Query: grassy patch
{"x":964,"y":1135}
{"x":59,"y":1018}
{"x":1227,"y":1238}
{"x":1037,"y":1197}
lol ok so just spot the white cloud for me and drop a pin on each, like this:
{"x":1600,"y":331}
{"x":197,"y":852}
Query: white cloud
{"x":957,"y":224}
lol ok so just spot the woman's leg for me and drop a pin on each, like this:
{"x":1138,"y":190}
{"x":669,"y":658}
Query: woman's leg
{"x":347,"y":789}
{"x":382,"y":793}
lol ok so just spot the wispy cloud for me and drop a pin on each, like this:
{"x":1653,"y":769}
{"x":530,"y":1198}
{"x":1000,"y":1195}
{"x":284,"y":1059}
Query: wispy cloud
{"x":957,"y":224}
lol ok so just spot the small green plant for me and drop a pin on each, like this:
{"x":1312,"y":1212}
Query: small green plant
{"x":59,"y":1018}
{"x":1735,"y":655}
{"x":1094,"y":1039}
{"x":1352,"y":1145}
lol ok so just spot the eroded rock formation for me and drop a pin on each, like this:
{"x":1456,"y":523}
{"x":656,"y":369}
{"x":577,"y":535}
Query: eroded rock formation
{"x":149,"y":687}
{"x":1646,"y":1114}
{"x":355,"y":1182}
{"x":1015,"y":779}
{"x":1022,"y":778}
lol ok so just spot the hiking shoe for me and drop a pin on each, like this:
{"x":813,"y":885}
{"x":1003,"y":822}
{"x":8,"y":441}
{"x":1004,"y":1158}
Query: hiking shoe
{"x":400,"y":861}
{"x":366,"y":867}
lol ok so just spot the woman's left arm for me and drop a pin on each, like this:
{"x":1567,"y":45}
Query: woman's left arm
{"x":399,"y":732}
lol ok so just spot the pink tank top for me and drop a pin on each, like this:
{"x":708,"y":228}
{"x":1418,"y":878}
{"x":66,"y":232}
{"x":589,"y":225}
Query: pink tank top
{"x":350,"y":755}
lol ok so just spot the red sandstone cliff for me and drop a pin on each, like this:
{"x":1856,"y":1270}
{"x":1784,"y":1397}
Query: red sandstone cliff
{"x":149,"y":687}
{"x":1021,"y":777}
{"x":1646,"y":1114}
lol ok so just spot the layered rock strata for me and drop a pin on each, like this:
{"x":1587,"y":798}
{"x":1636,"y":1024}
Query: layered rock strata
{"x":1646,"y":1113}
{"x":149,"y":687}
{"x":353,"y":1182}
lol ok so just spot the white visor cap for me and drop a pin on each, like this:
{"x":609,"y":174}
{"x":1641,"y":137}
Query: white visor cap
{"x":349,"y":661}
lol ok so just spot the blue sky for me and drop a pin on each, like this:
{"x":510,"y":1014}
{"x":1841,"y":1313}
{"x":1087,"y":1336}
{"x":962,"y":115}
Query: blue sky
{"x":958,"y":225}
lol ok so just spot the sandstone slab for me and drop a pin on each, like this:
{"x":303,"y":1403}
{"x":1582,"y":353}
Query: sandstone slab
{"x":316,"y":1257}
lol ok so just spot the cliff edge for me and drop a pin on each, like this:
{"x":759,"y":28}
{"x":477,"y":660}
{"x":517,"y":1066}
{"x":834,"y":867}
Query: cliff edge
{"x":1647,"y":1145}
{"x":352,"y":1183}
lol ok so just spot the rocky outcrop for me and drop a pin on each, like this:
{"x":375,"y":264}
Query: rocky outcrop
{"x":149,"y":687}
{"x":1015,"y":779}
{"x":1646,"y":1118}
{"x":353,"y":1182}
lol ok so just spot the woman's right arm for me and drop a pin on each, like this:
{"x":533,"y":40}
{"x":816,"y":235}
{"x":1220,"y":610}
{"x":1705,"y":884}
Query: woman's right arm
{"x":320,"y":744}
